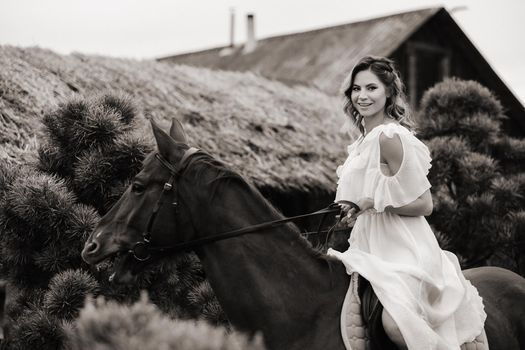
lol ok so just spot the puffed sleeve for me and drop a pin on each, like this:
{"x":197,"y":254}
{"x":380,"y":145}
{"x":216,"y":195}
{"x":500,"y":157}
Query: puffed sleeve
{"x":344,"y":174}
{"x":409,"y":182}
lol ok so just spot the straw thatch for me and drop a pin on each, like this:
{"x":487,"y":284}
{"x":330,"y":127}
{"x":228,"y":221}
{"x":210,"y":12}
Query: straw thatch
{"x":279,"y":137}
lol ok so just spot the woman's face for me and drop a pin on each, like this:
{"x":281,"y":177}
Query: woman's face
{"x":368,"y":94}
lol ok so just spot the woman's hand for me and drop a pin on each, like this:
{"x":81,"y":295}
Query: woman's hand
{"x":351,"y":212}
{"x":349,"y":219}
{"x":365,"y":204}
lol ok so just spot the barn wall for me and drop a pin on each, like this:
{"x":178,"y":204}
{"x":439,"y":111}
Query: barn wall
{"x":465,"y":62}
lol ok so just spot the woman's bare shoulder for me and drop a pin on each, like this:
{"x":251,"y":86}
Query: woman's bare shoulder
{"x":391,"y":148}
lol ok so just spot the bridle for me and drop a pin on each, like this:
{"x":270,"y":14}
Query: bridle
{"x":142,"y":250}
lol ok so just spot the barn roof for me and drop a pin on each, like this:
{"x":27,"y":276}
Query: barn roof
{"x":323,"y":57}
{"x":319,"y":58}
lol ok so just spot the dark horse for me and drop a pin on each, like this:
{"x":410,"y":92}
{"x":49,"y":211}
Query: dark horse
{"x":271,"y":281}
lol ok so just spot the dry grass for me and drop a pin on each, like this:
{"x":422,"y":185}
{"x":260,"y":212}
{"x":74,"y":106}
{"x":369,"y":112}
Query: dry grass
{"x":275,"y":135}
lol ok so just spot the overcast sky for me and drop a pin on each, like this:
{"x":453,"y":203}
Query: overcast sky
{"x":153,"y":28}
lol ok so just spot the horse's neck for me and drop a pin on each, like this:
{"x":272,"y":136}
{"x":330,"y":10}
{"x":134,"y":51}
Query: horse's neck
{"x":278,"y":255}
{"x":270,"y":277}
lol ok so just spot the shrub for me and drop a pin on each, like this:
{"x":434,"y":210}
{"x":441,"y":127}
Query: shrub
{"x":36,"y":329}
{"x":67,"y":292}
{"x":89,"y":144}
{"x":100,"y":171}
{"x":445,"y":152}
{"x":475,"y":184}
{"x":108,"y":325}
{"x":510,"y":152}
{"x":89,"y":122}
{"x":207,"y":306}
{"x":45,"y":218}
{"x":43,"y":228}
{"x":454,"y":100}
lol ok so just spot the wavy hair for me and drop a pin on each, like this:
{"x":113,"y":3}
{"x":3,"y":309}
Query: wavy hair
{"x":396,"y":105}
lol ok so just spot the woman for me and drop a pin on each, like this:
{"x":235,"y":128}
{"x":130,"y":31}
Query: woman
{"x":428,"y":304}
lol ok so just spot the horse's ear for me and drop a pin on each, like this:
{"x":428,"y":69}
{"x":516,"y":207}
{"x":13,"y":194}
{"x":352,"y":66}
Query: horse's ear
{"x":177,"y":132}
{"x":164,"y":141}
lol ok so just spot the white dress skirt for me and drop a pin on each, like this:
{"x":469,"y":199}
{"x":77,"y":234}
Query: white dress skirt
{"x":418,"y":283}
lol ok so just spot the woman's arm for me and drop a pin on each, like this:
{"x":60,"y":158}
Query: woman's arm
{"x":422,"y":206}
{"x":391,"y":151}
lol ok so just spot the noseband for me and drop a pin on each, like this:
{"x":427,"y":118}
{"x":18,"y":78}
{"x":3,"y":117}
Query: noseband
{"x":141,"y":251}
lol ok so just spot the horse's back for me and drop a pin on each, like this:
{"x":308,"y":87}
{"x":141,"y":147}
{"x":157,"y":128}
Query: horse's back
{"x":503,"y":294}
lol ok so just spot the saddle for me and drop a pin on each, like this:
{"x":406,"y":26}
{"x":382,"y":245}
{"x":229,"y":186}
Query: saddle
{"x":371,"y":312}
{"x":362,"y":325}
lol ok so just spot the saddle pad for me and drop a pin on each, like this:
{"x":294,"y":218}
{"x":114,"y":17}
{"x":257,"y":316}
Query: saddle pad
{"x":355,"y":334}
{"x":353,"y":329}
{"x":480,"y":343}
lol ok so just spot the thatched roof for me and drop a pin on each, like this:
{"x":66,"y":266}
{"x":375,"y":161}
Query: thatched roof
{"x":319,"y":58}
{"x":277,"y":136}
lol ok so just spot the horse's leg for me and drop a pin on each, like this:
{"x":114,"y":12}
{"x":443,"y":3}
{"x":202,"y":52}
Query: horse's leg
{"x":392,"y":330}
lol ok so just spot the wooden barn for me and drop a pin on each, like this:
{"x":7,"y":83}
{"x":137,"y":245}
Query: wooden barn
{"x":428,"y":45}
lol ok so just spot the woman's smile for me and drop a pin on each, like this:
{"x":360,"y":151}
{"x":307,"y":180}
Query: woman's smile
{"x":368,"y":94}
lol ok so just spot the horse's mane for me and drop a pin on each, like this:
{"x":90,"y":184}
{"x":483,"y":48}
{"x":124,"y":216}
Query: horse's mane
{"x":203,"y":162}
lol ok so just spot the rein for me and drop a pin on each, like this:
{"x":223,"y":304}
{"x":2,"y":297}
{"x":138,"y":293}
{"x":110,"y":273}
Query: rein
{"x":142,"y":250}
{"x":244,"y":230}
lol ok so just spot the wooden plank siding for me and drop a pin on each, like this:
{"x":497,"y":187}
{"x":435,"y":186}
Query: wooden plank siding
{"x":452,"y":54}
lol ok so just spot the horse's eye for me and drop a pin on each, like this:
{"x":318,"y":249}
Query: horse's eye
{"x":137,"y":188}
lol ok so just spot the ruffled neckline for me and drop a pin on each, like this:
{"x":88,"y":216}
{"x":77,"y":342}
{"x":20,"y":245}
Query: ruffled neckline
{"x":382,"y":127}
{"x":376,"y":129}
{"x":388,"y":128}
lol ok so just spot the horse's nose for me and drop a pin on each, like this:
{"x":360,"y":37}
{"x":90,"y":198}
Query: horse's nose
{"x":89,"y":250}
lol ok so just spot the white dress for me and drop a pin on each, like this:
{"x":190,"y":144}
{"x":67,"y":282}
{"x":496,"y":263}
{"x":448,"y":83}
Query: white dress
{"x":420,"y":285}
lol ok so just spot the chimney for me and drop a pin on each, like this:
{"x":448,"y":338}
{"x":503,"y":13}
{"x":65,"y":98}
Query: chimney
{"x":228,"y":50}
{"x":251,"y":42}
{"x":232,"y":27}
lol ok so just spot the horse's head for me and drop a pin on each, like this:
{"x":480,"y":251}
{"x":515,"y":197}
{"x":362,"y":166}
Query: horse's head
{"x":150,"y":212}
